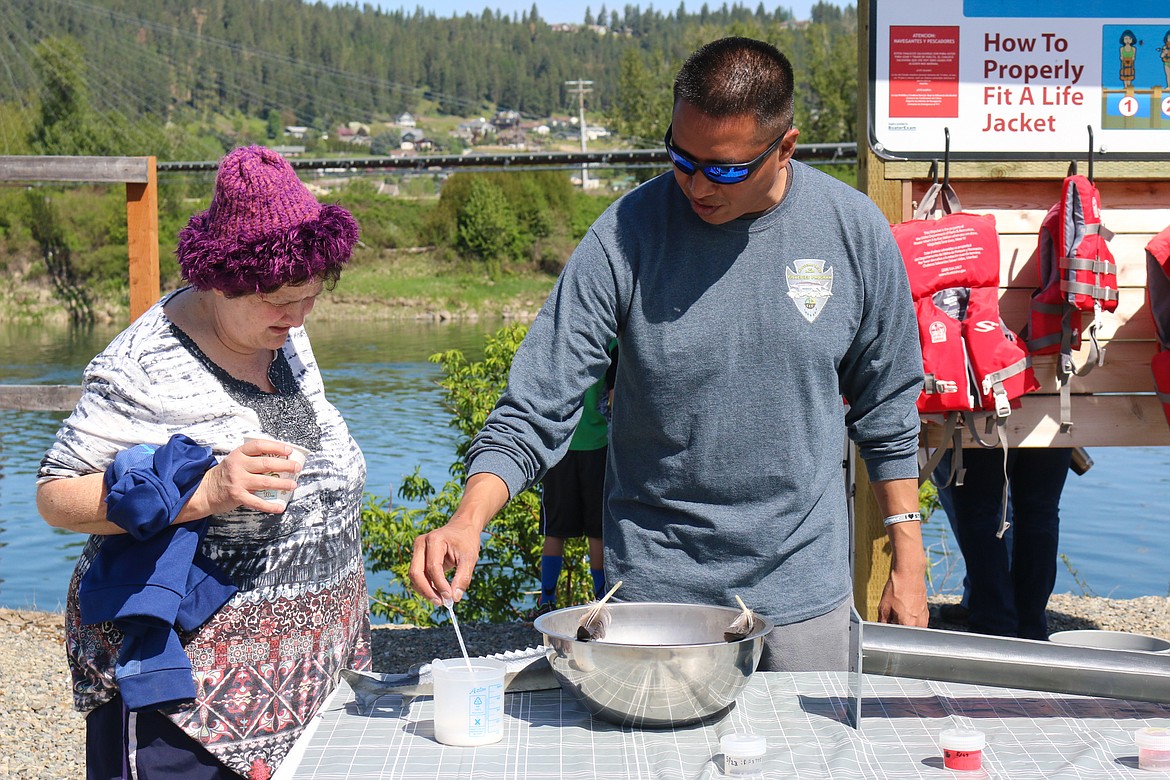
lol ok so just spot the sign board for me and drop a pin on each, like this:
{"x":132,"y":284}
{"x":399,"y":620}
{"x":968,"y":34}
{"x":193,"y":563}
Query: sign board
{"x":1011,"y":79}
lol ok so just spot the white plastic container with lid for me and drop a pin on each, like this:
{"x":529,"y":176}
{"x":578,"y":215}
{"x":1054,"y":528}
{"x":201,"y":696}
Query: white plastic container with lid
{"x":299,"y":454}
{"x":743,"y":753}
{"x":1153,"y":745}
{"x":962,"y":748}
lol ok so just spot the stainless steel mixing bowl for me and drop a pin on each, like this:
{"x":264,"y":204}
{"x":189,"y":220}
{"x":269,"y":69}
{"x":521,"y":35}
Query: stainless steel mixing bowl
{"x":659,"y":665}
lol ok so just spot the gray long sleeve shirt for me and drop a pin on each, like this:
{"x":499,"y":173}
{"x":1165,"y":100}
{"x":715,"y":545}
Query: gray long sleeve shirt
{"x":737,"y":344}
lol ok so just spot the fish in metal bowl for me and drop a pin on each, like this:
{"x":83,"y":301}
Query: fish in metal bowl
{"x":658,"y":665}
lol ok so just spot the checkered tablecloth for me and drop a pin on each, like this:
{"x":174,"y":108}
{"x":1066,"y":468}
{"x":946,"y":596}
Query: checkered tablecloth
{"x":548,"y":734}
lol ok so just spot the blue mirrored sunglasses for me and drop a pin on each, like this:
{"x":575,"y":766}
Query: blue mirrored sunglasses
{"x":732,"y":173}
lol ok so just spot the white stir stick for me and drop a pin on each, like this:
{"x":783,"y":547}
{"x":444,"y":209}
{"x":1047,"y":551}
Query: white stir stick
{"x":450,"y":605}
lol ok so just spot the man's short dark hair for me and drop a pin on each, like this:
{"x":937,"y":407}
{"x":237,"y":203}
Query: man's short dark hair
{"x":737,"y":76}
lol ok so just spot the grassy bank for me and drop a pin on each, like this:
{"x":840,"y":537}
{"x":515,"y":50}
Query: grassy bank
{"x":378,"y":284}
{"x":490,"y":245}
{"x":420,"y":283}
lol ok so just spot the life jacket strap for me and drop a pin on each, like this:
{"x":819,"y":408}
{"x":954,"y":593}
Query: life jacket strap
{"x":999,"y":425}
{"x":1093,"y":264}
{"x":1004,"y":525}
{"x":953,"y":431}
{"x":933,"y":384}
{"x":938,"y":198}
{"x":1098,"y":229}
{"x":1096,"y":291}
{"x":1096,"y":356}
{"x":997,"y":378}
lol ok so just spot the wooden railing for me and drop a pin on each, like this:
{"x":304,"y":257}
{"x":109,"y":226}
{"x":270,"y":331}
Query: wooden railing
{"x":138,"y":174}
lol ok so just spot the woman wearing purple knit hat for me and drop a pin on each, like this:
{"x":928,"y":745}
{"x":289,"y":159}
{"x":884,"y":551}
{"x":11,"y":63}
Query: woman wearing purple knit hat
{"x":178,"y":676}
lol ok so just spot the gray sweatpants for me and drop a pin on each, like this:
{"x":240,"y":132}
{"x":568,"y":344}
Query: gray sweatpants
{"x":819,"y":644}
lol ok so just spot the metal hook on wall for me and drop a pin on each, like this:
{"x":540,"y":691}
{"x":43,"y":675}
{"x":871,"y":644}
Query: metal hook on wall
{"x":1072,"y":166}
{"x":947,"y":158}
{"x":1090,"y":128}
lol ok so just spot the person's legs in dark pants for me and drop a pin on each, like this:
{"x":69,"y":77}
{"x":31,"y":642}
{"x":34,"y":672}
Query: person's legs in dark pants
{"x":941,"y":477}
{"x":156,"y":747}
{"x":978,"y":506}
{"x":1037,"y":477}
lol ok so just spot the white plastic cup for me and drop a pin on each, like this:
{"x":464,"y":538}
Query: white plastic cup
{"x":469,"y":703}
{"x":1153,"y":744}
{"x":1111,"y":640}
{"x":743,"y":753}
{"x":298,"y":455}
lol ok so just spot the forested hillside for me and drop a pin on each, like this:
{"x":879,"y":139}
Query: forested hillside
{"x":181,"y":79}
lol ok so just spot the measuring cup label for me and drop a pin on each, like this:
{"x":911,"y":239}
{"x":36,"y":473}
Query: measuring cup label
{"x":483,"y":710}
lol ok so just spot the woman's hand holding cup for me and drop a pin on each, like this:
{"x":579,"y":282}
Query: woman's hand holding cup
{"x":259,"y":475}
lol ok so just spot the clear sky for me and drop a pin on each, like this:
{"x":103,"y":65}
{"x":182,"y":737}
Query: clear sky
{"x":574,"y":10}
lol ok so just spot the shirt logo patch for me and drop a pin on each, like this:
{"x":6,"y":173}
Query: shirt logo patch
{"x":810,"y":285}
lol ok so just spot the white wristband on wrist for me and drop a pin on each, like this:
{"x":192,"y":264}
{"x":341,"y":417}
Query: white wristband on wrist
{"x":902,"y":518}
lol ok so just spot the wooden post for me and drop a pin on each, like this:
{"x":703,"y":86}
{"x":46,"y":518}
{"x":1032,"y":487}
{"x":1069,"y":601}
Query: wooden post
{"x":138,"y":174}
{"x":871,"y":564}
{"x":142,"y":236}
{"x":872,"y":553}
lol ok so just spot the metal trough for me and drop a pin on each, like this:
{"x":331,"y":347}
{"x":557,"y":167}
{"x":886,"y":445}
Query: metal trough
{"x":951,"y":656}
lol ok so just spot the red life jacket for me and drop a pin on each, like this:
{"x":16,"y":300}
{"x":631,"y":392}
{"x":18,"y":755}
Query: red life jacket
{"x":1077,"y":274}
{"x":973,"y":365}
{"x":1158,"y":295}
{"x":971,"y":361}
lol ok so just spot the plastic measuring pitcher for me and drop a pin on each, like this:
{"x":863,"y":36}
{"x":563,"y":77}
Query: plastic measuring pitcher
{"x":469,"y":703}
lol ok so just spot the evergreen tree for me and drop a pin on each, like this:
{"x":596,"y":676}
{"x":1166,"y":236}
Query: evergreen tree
{"x":66,"y":124}
{"x":216,"y":72}
{"x":642,"y":109}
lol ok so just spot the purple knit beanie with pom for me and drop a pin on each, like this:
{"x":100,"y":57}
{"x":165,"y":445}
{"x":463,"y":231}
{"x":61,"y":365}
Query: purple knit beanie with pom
{"x":264,"y":229}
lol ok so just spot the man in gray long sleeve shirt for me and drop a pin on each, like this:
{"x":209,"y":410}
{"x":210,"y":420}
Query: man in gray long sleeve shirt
{"x":749,"y":299}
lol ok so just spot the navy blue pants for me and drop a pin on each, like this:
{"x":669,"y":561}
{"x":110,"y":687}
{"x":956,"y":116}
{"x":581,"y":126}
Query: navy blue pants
{"x":1009,"y":593}
{"x":120,"y":745}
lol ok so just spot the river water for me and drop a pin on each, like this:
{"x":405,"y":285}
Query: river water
{"x":1114,"y":534}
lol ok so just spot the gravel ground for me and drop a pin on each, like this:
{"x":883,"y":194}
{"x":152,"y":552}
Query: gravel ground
{"x":42,"y":737}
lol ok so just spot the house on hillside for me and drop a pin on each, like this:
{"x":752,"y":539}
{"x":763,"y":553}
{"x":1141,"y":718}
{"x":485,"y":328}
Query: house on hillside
{"x":506,"y":119}
{"x":405,"y":119}
{"x":513,"y":138}
{"x":473,"y":131}
{"x":417,"y":140}
{"x":296,"y":131}
{"x":357,"y":137}
{"x":593,"y":132}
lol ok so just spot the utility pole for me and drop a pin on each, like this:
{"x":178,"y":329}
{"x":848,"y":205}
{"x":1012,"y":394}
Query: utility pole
{"x":580,"y":88}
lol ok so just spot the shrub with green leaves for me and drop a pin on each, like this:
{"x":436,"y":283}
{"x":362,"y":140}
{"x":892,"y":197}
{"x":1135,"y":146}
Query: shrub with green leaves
{"x":486,"y":226}
{"x":504,"y":217}
{"x":509,"y":565}
{"x":386,"y":222}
